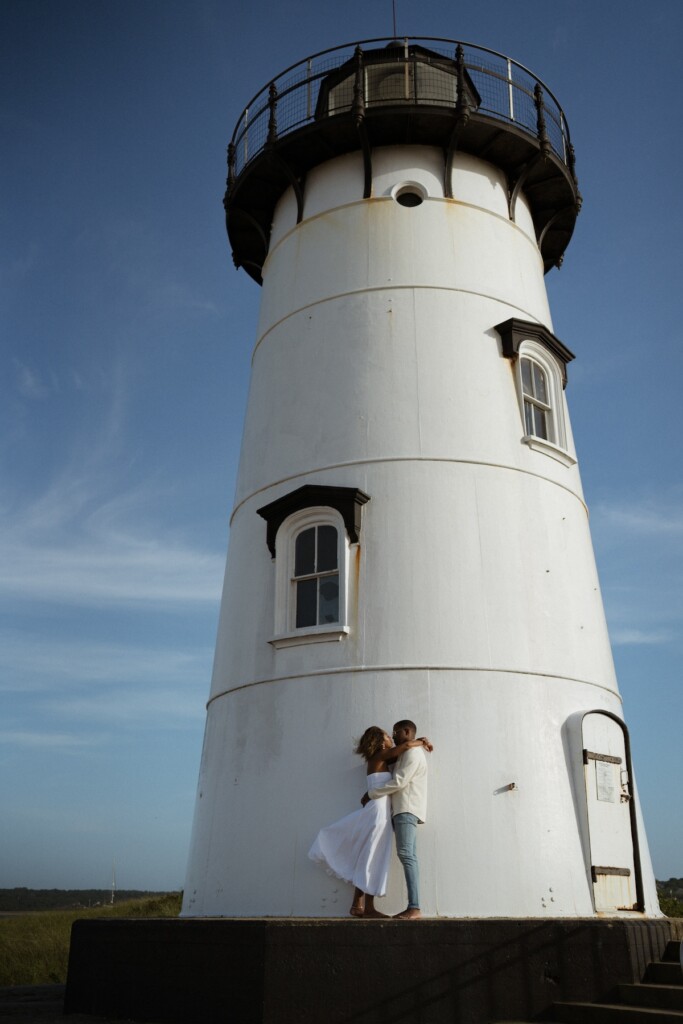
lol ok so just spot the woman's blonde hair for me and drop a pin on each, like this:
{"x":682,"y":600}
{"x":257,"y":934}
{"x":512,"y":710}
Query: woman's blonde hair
{"x":371,"y":742}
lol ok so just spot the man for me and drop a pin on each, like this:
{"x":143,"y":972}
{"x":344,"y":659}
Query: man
{"x":408,"y":792}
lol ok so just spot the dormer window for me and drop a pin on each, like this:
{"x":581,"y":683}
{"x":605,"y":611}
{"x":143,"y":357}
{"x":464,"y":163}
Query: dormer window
{"x":540,"y":364}
{"x":310,"y":536}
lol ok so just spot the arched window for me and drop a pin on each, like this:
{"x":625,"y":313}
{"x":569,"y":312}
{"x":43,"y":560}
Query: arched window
{"x":538,"y":413}
{"x":310,"y":535}
{"x":541,"y":375}
{"x":539,"y":386}
{"x":311,"y":577}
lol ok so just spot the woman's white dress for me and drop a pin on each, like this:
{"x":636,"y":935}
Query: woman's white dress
{"x":357,"y":848}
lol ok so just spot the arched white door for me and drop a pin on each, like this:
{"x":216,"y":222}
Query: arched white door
{"x":610,"y":822}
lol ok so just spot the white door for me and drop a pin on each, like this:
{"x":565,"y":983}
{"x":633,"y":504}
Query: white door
{"x":608,"y":796}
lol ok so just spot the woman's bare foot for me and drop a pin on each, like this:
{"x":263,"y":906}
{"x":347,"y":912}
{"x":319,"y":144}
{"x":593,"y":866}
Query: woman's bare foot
{"x":358,"y":905}
{"x":370,"y":908}
{"x":411,"y":914}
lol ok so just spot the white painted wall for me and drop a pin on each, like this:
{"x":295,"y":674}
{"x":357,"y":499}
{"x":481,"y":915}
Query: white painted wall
{"x":475,"y":604}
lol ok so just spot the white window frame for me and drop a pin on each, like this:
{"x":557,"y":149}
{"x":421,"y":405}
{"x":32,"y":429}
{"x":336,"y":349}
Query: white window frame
{"x":557,"y":447}
{"x":286,"y":633}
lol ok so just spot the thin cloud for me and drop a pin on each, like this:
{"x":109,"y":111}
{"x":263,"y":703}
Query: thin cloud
{"x":45,"y":739}
{"x":72,"y":545}
{"x":135,"y":254}
{"x":647,"y":518}
{"x":128,"y":570}
{"x":29,"y":383}
{"x":638,"y":543}
{"x":626,"y":637}
{"x":177,"y":296}
{"x":33,"y":664}
{"x":143,"y":709}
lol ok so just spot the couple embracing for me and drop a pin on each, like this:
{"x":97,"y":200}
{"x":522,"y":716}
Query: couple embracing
{"x":357,"y":849}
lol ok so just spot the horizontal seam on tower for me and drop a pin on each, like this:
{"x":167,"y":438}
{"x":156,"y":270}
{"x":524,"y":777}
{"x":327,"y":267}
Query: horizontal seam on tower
{"x":389,"y":288}
{"x":355,"y":669}
{"x":506,"y":219}
{"x":405,"y":458}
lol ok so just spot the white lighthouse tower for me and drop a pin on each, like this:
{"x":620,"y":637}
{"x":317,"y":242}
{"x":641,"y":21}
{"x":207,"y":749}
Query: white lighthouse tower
{"x":409,"y":535}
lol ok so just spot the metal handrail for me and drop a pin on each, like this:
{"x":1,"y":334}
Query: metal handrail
{"x":510,"y":93}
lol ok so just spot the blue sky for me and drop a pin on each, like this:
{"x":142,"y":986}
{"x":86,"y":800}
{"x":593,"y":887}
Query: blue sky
{"x":125,"y":339}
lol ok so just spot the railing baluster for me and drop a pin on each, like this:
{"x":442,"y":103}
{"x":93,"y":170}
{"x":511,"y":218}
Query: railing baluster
{"x":462,"y":112}
{"x":231,"y":165}
{"x":358,"y":106}
{"x":406,"y":75}
{"x":272,"y":116}
{"x":246,"y":136}
{"x":309,"y":66}
{"x":510,"y":93}
{"x":540,"y":119}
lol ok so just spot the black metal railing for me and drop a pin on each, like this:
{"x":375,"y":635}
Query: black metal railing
{"x":508,"y":92}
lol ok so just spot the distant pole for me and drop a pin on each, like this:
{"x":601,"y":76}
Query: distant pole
{"x":113,"y":881}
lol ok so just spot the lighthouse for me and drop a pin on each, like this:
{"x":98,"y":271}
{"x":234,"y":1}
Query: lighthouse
{"x":409,"y":537}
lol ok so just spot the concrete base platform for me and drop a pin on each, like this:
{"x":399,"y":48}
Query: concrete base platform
{"x":349,"y":971}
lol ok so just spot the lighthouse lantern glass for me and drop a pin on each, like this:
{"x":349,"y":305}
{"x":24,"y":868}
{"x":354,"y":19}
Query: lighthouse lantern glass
{"x":393,"y":80}
{"x":341,"y":96}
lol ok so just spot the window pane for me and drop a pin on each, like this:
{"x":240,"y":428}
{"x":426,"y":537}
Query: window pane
{"x":388,"y":83}
{"x":341,"y":97}
{"x":527,"y":386}
{"x":529,"y":418}
{"x":435,"y":85}
{"x":540,"y":424}
{"x":304,"y":553}
{"x":329,"y":599}
{"x":305,"y":602}
{"x":327,"y":548}
{"x":540,"y":390}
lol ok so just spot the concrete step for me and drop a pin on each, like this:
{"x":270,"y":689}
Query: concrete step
{"x":612,"y":1013}
{"x":663,"y":997}
{"x":658,"y":1000}
{"x":663,"y":974}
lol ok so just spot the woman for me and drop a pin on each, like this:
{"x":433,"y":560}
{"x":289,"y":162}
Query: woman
{"x":357,"y":848}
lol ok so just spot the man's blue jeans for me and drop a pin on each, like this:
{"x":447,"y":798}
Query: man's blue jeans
{"x":405,"y":830}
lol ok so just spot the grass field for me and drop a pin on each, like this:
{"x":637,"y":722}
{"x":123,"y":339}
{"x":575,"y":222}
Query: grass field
{"x":34,"y":948}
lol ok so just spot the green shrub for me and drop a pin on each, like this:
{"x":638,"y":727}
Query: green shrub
{"x":671,"y":906}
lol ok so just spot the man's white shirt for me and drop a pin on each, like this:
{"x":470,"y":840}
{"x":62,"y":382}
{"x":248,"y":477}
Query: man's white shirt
{"x":408,"y":788}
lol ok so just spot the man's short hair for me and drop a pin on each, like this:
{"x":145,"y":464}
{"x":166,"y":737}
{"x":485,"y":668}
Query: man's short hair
{"x":405,"y":723}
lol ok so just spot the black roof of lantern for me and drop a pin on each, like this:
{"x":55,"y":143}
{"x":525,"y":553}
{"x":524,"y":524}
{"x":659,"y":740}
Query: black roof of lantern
{"x":348,"y":99}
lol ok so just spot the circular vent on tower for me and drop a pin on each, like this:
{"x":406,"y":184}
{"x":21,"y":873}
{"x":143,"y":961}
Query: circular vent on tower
{"x":409,"y":194}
